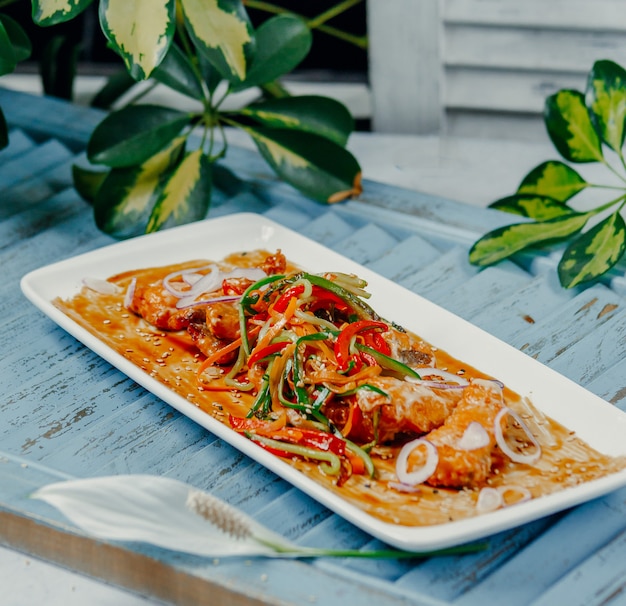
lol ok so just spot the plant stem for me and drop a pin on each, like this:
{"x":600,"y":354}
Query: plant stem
{"x":193,"y":60}
{"x":607,"y":205}
{"x":319,"y":21}
{"x":333,"y":11}
{"x":613,"y":170}
{"x":312,"y":552}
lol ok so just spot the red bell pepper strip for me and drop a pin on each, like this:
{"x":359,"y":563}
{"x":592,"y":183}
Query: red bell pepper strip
{"x":280,"y":305}
{"x":323,"y":297}
{"x":342,"y":344}
{"x":272,"y":348}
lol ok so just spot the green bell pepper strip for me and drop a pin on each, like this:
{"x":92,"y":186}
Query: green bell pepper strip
{"x":388,"y":362}
{"x":302,"y":394}
{"x":263,"y":401}
{"x":359,"y":452}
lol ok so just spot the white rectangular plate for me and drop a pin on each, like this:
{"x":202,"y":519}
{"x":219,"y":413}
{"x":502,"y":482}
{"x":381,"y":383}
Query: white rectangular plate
{"x":601,"y":425}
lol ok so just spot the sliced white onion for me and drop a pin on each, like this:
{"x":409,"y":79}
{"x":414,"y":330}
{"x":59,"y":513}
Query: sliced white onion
{"x":449,"y":379}
{"x":186,"y":302}
{"x":175,"y":290}
{"x":104,"y":287}
{"x":521,"y":490}
{"x":130,"y":293}
{"x":489,"y":499}
{"x":517,"y":457}
{"x":201,"y":285}
{"x":475,"y":436}
{"x":419,"y":476}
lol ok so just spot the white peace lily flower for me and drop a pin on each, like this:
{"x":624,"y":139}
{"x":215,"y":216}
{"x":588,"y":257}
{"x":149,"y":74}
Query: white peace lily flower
{"x":164,"y":512}
{"x":174,"y":515}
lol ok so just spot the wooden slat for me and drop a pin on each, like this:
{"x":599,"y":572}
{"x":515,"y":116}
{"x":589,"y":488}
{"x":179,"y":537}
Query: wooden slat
{"x":404,"y":48}
{"x":536,"y":49}
{"x":490,"y":90}
{"x":607,"y":15}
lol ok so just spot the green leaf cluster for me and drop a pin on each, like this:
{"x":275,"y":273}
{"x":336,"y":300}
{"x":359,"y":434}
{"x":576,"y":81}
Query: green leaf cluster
{"x":155,"y":174}
{"x":14,"y":47}
{"x":584,"y":127}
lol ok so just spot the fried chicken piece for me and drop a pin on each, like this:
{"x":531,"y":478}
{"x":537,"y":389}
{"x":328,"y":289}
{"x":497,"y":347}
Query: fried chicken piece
{"x":157,"y":306}
{"x":222,"y":320}
{"x":407,"y":408}
{"x":459,"y":464}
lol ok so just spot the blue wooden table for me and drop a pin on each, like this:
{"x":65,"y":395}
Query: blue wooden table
{"x":65,"y":413}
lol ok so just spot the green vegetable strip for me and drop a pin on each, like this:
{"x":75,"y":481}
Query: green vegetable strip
{"x":263,"y":400}
{"x":369,"y":465}
{"x":245,"y":306}
{"x":388,"y":362}
{"x":302,"y":394}
{"x":331,"y":463}
{"x":362,"y":309}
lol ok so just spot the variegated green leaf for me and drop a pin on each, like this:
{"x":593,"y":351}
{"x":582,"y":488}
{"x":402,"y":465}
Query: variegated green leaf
{"x":553,"y":179}
{"x":131,"y":135}
{"x":606,"y":98}
{"x":222,"y":32}
{"x":125,"y":199}
{"x":282,"y":42}
{"x":7,"y":54}
{"x":51,"y":12}
{"x":594,"y":252}
{"x":18,"y":39}
{"x":87,"y":182}
{"x":315,"y":165}
{"x":210,"y":75}
{"x":4,"y":131}
{"x":186,"y":195}
{"x":177,"y":72}
{"x":311,"y":113}
{"x":505,"y":241}
{"x":140,"y":31}
{"x":533,"y":206}
{"x":570,"y":128}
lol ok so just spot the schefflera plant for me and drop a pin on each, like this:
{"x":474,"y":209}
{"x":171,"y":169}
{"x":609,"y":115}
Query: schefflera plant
{"x":14,"y":47}
{"x":157,"y":175}
{"x":584,"y":127}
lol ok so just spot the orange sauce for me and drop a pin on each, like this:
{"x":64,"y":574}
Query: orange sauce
{"x":172,"y":358}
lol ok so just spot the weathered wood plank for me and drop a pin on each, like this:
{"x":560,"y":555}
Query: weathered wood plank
{"x":556,"y":14}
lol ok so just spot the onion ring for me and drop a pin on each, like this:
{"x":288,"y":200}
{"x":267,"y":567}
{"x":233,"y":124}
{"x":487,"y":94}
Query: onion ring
{"x":489,"y":499}
{"x":522,"y":490}
{"x":419,"y":476}
{"x":517,"y":457}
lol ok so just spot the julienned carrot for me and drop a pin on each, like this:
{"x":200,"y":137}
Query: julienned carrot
{"x":220,"y":353}
{"x":347,"y":428}
{"x":276,"y":327}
